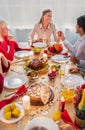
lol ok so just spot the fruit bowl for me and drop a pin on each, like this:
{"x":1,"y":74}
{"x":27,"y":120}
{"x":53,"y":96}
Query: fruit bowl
{"x":55,"y":48}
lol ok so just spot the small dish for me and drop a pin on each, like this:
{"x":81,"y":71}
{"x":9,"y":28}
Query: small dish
{"x":13,"y":120}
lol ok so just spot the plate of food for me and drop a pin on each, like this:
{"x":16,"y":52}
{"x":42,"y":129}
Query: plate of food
{"x":14,"y":81}
{"x":42,"y":123}
{"x":37,"y":66}
{"x":59,"y":58}
{"x":72,"y":79}
{"x":22,"y":54}
{"x":40,"y":44}
{"x":11,"y":113}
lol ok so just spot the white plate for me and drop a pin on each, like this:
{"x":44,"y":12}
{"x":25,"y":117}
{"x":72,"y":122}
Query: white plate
{"x":13,"y":120}
{"x":78,"y":80}
{"x":40,"y":44}
{"x":21,"y":54}
{"x":14,"y":81}
{"x":42,"y":121}
{"x":59,"y":58}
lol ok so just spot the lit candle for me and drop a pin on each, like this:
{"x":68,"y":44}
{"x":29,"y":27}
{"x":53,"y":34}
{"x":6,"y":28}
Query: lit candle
{"x":53,"y":70}
{"x":26,"y":102}
{"x":62,"y":104}
{"x":44,"y":57}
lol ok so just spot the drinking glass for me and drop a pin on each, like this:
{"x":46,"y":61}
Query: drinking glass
{"x":62,"y":71}
{"x":44,"y":38}
{"x":29,"y":40}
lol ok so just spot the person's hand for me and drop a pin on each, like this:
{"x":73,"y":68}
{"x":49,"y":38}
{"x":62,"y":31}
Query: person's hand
{"x":11,"y":38}
{"x":74,"y":59}
{"x":66,"y":127}
{"x":60,"y":35}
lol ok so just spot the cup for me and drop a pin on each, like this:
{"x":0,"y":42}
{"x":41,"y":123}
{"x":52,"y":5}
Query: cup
{"x":62,"y":71}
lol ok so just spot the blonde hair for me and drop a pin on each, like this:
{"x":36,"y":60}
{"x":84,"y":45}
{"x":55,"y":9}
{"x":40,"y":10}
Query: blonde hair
{"x":3,"y":24}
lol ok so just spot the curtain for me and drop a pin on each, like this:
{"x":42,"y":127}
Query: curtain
{"x":25,"y":13}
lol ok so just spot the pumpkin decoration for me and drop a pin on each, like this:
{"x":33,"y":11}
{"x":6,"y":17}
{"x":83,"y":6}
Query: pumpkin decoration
{"x":58,"y":47}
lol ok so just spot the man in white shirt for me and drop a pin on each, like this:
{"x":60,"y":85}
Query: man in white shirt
{"x":78,"y":49}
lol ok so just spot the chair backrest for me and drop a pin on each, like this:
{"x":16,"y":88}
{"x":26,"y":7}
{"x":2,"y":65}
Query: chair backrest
{"x":21,"y":35}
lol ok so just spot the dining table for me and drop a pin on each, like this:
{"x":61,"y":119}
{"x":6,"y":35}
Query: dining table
{"x":17,"y":69}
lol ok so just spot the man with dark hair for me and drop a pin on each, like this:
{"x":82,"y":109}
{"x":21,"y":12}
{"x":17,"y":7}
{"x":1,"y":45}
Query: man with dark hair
{"x":78,"y":49}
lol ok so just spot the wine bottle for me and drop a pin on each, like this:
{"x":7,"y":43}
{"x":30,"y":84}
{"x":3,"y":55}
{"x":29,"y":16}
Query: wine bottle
{"x":80,"y":112}
{"x":81,"y":105}
{"x":80,"y":118}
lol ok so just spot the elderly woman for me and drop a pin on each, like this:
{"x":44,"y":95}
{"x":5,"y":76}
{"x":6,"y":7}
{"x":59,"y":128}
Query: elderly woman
{"x":44,"y":28}
{"x":7,"y":48}
{"x":4,"y":67}
{"x":7,"y":43}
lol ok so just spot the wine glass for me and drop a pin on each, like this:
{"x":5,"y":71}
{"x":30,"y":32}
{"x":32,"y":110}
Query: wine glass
{"x":44,"y":38}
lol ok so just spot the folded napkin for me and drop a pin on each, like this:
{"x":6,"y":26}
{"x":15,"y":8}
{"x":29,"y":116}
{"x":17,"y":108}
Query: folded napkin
{"x":22,"y":89}
{"x":64,"y":53}
{"x":67,"y":119}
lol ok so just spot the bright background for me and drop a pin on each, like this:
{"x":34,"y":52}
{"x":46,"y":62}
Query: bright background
{"x":25,"y":13}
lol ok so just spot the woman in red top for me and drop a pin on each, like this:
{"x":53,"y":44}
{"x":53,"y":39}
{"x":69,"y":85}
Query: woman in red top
{"x":7,"y":43}
{"x":7,"y":48}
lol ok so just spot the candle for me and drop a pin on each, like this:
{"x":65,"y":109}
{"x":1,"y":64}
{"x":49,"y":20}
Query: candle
{"x":26,"y":102}
{"x":44,"y":57}
{"x":53,"y":70}
{"x":62,"y":104}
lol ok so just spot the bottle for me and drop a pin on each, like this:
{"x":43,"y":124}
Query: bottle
{"x":81,"y":105}
{"x":80,"y":118}
{"x":80,"y":112}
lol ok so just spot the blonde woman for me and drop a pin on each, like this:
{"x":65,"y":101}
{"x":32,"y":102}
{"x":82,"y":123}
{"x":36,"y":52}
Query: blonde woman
{"x":44,"y":28}
{"x":8,"y":45}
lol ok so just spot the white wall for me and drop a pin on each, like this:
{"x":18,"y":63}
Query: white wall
{"x":25,"y":13}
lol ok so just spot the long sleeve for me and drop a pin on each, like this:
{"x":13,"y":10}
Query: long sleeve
{"x":17,"y":48}
{"x":9,"y":54}
{"x":70,"y":48}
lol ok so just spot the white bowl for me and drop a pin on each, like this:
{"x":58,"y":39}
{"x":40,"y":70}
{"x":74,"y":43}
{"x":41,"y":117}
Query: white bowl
{"x":48,"y":123}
